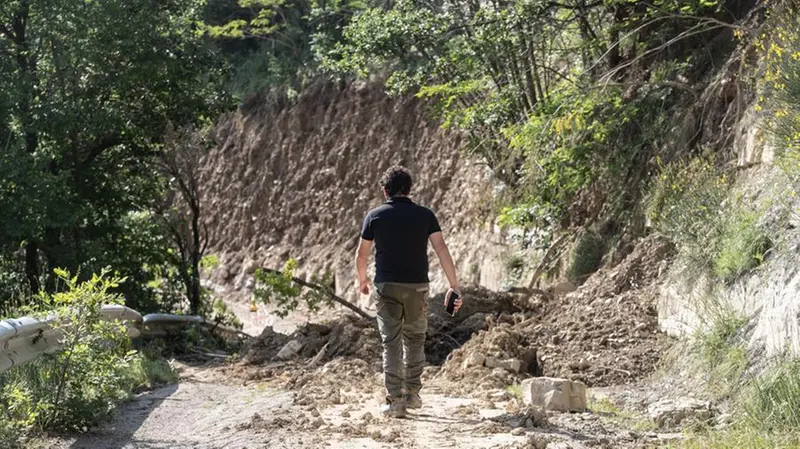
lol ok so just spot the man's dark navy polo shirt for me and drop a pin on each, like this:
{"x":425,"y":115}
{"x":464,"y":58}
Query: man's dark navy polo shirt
{"x":400,"y":229}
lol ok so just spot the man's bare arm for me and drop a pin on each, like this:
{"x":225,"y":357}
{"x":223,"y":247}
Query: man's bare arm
{"x":362,"y":253}
{"x":445,"y":259}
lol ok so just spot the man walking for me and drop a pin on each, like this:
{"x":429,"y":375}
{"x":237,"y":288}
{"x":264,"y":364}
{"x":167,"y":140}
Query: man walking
{"x":400,"y":231}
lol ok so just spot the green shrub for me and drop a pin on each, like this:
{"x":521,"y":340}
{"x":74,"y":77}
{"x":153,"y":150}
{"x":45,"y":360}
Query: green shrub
{"x":514,"y":265}
{"x":687,"y":204}
{"x":280,"y":290}
{"x":78,"y":386}
{"x":215,"y":309}
{"x":586,"y":258}
{"x":148,"y":371}
{"x":683,"y":205}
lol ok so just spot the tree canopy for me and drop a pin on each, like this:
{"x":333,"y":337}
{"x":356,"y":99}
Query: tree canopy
{"x":87,"y":89}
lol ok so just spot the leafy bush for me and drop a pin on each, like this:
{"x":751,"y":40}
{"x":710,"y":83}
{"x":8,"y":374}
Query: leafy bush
{"x":215,"y":309}
{"x":78,"y":386}
{"x":684,"y":203}
{"x":148,"y":371}
{"x":780,"y":49}
{"x":689,"y":204}
{"x":281,"y":290}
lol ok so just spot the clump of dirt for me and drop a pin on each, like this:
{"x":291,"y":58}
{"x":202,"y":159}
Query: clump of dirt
{"x":527,"y":418}
{"x":492,"y":359}
{"x":323,"y":363}
{"x":340,"y":381}
{"x":347,"y":336}
{"x":605,"y":333}
{"x":447,"y":333}
{"x":264,"y":347}
{"x":291,"y":421}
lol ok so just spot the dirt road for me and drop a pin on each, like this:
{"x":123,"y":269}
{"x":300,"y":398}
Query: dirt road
{"x":206,"y":410}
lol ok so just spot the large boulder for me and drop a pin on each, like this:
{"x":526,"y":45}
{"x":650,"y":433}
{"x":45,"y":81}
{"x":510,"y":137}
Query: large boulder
{"x":558,"y":395}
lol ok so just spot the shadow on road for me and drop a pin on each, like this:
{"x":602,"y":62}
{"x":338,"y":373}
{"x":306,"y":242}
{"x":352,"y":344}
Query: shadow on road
{"x":119,"y":432}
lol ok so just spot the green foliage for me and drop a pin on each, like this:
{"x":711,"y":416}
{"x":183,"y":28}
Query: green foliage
{"x":515,"y":391}
{"x":586,"y":257}
{"x":282,"y":291}
{"x":78,"y":386}
{"x":741,"y":246}
{"x":81,"y":121}
{"x":147,"y":371}
{"x":780,"y":49}
{"x":772,"y":400}
{"x":215,"y":309}
{"x":683,"y":205}
{"x":292,"y":38}
{"x":689,"y":203}
{"x":534,"y":86}
{"x":514,"y":265}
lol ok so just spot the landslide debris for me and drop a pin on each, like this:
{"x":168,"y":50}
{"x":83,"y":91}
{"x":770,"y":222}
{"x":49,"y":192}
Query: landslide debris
{"x":604,"y":333}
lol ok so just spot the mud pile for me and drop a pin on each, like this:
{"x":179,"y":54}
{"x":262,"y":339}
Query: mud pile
{"x":347,"y":336}
{"x":481,"y":307}
{"x":605,"y":333}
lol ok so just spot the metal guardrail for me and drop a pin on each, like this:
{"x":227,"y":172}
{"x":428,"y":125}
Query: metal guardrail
{"x":24,"y":339}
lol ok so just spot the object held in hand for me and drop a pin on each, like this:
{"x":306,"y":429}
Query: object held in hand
{"x":450,"y":302}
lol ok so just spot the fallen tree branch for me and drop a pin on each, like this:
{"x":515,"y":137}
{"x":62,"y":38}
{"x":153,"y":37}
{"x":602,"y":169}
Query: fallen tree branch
{"x":546,"y":260}
{"x":324,"y":290}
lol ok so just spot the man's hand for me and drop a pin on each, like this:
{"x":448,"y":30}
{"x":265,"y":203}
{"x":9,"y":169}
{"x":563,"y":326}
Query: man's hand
{"x":364,"y":248}
{"x":459,"y":301}
{"x":363,"y":286}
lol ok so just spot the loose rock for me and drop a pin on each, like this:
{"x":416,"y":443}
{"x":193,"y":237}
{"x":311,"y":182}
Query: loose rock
{"x":559,"y":395}
{"x":670,"y":413}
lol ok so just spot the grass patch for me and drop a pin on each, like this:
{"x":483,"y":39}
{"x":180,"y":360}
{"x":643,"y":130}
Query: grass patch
{"x":741,"y":245}
{"x":772,"y":401}
{"x":603,"y":406}
{"x":624,"y":418}
{"x":739,"y":439}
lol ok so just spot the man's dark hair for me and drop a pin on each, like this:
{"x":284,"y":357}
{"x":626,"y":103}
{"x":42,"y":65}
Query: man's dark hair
{"x":396,"y":181}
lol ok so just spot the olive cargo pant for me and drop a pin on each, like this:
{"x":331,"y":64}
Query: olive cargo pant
{"x":402,"y":323}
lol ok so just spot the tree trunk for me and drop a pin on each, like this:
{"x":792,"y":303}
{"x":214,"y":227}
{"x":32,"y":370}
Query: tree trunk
{"x":195,"y":255}
{"x":32,"y":266}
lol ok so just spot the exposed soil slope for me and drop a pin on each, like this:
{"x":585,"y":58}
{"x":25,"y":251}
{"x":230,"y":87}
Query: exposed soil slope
{"x":295,"y":180}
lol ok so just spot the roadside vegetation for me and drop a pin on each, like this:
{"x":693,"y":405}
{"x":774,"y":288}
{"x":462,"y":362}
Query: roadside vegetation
{"x":80,"y":385}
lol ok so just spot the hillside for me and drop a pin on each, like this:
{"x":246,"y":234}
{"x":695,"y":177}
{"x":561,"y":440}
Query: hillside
{"x":296,"y":180}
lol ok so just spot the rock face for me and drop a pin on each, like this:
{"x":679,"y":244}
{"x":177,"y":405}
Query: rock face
{"x":768,"y":296}
{"x":558,"y":395}
{"x":670,"y":413}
